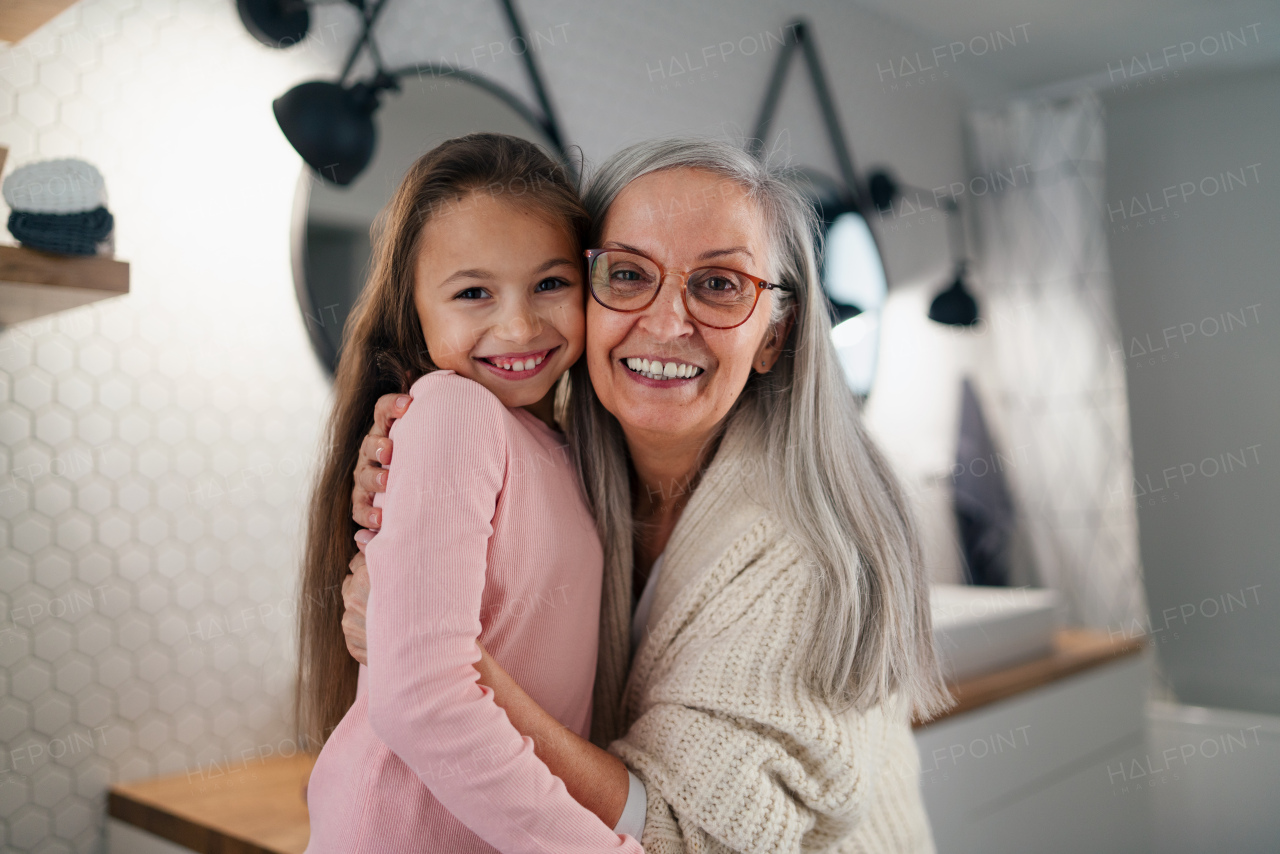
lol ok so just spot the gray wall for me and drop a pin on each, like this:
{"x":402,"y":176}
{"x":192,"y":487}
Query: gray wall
{"x":1201,"y":269}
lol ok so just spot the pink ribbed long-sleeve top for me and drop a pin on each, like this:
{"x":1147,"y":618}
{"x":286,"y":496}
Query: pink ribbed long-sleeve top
{"x":484,"y":536}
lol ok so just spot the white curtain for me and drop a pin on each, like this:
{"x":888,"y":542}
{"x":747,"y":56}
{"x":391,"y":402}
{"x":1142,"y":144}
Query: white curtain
{"x":1036,"y":201}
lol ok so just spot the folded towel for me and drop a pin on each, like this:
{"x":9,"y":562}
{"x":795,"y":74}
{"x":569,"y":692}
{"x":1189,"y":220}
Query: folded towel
{"x":65,"y":186}
{"x":983,"y":505}
{"x":69,"y":234}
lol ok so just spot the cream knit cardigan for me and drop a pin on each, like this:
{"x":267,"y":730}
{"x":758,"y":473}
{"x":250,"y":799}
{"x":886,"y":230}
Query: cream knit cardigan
{"x":735,"y":752}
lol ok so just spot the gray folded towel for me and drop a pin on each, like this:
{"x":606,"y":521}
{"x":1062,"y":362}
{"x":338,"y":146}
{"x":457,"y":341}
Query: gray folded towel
{"x":63,"y":186}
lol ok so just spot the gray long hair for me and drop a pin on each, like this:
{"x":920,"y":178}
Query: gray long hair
{"x":870,"y":632}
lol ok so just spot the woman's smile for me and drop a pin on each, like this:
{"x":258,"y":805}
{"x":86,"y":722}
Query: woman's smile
{"x":659,"y":373}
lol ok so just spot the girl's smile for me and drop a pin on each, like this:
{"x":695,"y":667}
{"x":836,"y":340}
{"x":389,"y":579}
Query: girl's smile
{"x":517,"y":366}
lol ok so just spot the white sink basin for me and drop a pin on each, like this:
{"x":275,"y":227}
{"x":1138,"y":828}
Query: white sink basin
{"x":980,"y":629}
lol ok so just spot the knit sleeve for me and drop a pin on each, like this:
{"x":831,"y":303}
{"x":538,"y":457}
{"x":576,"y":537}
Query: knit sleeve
{"x":735,"y":752}
{"x":427,"y":567}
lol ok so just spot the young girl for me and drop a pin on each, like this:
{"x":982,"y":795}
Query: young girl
{"x":485,"y":537}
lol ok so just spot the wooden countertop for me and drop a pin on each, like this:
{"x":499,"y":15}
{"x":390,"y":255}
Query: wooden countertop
{"x":258,"y":807}
{"x":1074,"y":650}
{"x":250,"y":807}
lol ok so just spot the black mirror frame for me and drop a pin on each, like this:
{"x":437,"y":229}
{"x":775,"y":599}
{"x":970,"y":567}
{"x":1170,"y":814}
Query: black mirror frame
{"x":312,"y":315}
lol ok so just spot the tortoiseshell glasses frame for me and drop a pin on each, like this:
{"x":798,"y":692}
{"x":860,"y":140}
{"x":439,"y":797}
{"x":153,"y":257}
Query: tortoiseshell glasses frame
{"x":724,"y":297}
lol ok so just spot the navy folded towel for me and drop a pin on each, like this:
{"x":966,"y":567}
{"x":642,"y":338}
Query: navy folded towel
{"x":983,"y":505}
{"x":69,"y":234}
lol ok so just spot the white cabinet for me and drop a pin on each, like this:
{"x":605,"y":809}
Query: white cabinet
{"x":123,"y":838}
{"x":1048,"y":770}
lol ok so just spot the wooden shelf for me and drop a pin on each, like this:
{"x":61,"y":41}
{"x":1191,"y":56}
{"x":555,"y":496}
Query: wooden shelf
{"x":1074,"y":650}
{"x":233,"y":806}
{"x":34,"y":283}
{"x":21,"y":18}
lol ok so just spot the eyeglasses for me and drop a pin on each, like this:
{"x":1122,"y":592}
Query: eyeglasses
{"x":717,"y":297}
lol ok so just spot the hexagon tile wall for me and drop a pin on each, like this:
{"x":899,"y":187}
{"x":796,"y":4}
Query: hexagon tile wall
{"x":156,"y":447}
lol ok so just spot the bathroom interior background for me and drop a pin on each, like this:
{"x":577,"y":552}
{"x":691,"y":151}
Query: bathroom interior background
{"x":156,"y":448}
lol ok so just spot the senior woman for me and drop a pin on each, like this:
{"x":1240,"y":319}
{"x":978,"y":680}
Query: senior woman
{"x":764,"y":633}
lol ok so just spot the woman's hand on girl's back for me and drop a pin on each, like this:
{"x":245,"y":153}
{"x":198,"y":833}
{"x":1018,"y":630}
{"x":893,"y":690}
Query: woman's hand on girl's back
{"x":375,"y":456}
{"x":355,"y":598}
{"x":370,"y":477}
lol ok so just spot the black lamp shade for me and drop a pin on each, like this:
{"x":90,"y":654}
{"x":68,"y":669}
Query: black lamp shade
{"x":955,"y":306}
{"x":331,"y":127}
{"x":275,"y":23}
{"x":882,"y":189}
{"x":840,"y":312}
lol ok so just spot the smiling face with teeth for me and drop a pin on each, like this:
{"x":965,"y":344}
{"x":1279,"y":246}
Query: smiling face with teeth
{"x":667,"y":379}
{"x":498,"y":291}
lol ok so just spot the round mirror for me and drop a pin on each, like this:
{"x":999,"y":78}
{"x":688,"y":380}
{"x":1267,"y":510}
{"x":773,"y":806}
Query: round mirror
{"x":852,"y":274}
{"x":853,"y":277}
{"x":331,"y":224}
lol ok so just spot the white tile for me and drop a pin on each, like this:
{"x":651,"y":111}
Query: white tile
{"x":15,"y":425}
{"x":32,"y":388}
{"x":55,"y":355}
{"x":15,"y":717}
{"x":51,"y":638}
{"x":114,"y":667}
{"x":74,"y":390}
{"x":52,"y":496}
{"x":95,"y":358}
{"x":73,"y":817}
{"x":38,"y":106}
{"x":74,"y":673}
{"x":54,"y":428}
{"x":94,"y":706}
{"x":29,"y":825}
{"x":74,"y":531}
{"x":93,"y":634}
{"x":30,"y":679}
{"x":51,"y":714}
{"x":53,"y":569}
{"x":14,"y":794}
{"x":31,"y":533}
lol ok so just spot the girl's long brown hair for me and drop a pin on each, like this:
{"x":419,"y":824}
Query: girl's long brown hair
{"x":384,"y":352}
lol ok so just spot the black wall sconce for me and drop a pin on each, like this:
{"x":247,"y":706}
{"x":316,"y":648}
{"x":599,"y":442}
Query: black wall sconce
{"x":841,"y":198}
{"x":329,"y":123}
{"x":852,"y":274}
{"x":275,"y":23}
{"x":954,"y":306}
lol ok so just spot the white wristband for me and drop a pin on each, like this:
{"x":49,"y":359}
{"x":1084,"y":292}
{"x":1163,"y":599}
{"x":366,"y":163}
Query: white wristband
{"x":633,"y":814}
